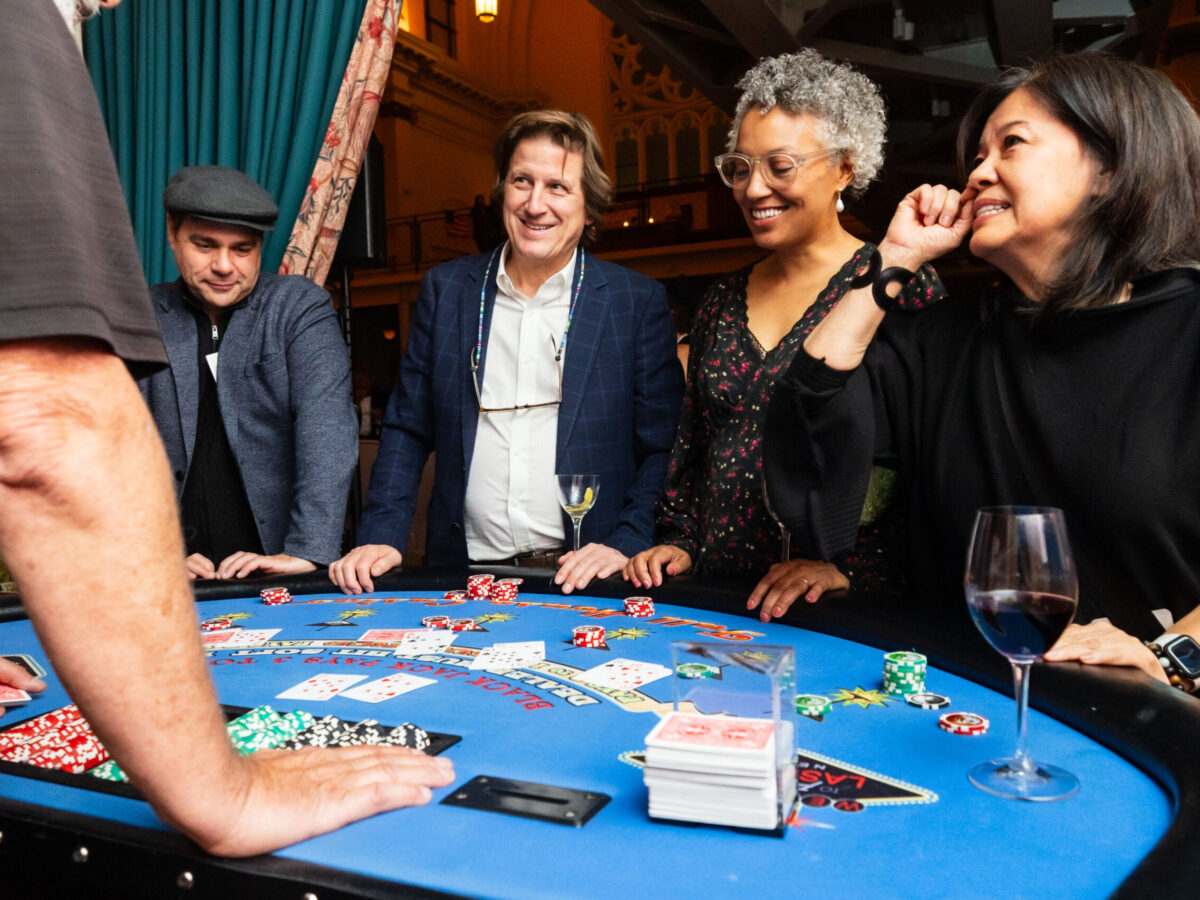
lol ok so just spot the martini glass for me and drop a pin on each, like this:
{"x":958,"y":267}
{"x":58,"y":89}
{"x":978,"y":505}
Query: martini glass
{"x":1021,"y":591}
{"x":576,"y":494}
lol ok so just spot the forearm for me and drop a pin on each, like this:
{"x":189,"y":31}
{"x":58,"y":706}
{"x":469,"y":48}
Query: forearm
{"x":100,"y":565}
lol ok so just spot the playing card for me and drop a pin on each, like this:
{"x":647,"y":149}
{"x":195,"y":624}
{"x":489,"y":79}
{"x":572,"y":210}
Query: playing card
{"x":387,"y":634}
{"x":237,"y":637}
{"x":731,"y":733}
{"x":623,"y":673}
{"x":386,"y":688}
{"x":425,"y":640}
{"x":320,"y":687}
{"x":10,"y":696}
{"x":512,"y":655}
{"x":26,"y":662}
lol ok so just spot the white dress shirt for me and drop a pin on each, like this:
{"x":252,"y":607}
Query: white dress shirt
{"x":512,"y":493}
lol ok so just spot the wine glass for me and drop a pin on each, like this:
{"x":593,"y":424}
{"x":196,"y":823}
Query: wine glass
{"x":1021,"y":590}
{"x":576,"y":494}
{"x":785,"y":536}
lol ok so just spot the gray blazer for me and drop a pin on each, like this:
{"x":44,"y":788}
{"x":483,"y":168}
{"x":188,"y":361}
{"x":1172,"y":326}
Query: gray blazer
{"x":283,"y":383}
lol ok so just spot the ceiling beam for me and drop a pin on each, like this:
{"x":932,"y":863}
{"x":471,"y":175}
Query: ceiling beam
{"x":754,"y":25}
{"x":924,"y":68}
{"x":1022,"y":30}
{"x":828,"y":11}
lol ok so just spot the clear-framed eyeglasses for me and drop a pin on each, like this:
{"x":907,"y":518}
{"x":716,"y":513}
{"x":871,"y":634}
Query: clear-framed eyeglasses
{"x":473,"y":360}
{"x":779,"y":168}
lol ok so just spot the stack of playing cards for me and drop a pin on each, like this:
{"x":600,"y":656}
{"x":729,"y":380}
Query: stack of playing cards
{"x":720,"y":770}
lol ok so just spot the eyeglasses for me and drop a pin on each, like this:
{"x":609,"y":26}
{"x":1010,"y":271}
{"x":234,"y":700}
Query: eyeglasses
{"x":474,"y":361}
{"x":780,"y":170}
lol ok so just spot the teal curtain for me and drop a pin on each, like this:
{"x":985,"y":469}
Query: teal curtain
{"x":244,"y":83}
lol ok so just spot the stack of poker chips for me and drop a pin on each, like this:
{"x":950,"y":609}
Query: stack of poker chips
{"x":436,"y":621}
{"x":506,"y":589}
{"x":588,"y":636}
{"x":904,"y":672}
{"x":639,"y":607}
{"x":334,"y":732}
{"x":275,"y":596}
{"x":463,"y":625}
{"x":719,"y":770}
{"x":454,"y":595}
{"x":697,"y":670}
{"x":264,"y":729}
{"x":60,"y":739}
{"x":814,"y":706}
{"x":479,"y":587}
{"x":963,"y":723}
{"x":216,"y":624}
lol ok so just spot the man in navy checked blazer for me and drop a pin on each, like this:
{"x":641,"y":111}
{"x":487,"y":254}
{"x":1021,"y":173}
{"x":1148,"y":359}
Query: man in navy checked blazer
{"x":532,"y":360}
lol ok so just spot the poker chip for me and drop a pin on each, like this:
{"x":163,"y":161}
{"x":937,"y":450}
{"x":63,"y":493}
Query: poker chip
{"x":927,"y":701}
{"x":479,"y":587}
{"x":904,"y":672}
{"x":454,"y":595}
{"x":463,"y":625}
{"x":639,"y":607}
{"x":505,"y":590}
{"x":963,"y":723}
{"x":436,"y":621}
{"x":588,"y":636}
{"x":215,"y":624}
{"x":696,"y":670}
{"x":275,"y":596}
{"x":813,"y":705}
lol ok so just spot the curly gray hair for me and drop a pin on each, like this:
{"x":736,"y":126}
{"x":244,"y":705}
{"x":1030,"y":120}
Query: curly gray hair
{"x":846,"y":102}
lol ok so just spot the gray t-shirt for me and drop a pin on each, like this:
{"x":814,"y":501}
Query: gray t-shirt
{"x":68,"y":262}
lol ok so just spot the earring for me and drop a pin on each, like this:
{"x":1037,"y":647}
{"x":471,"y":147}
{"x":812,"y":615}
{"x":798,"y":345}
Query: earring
{"x":840,"y":206}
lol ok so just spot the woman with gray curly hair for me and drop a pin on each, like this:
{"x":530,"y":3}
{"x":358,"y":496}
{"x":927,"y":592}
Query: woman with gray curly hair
{"x":807,"y":131}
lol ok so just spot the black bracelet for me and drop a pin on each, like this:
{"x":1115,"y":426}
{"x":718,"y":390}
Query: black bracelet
{"x":874,"y":264}
{"x":886,"y":277}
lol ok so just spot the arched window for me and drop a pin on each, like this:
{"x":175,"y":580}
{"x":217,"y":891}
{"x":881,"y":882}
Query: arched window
{"x":627,"y":163}
{"x":687,"y":153}
{"x":658,"y":158}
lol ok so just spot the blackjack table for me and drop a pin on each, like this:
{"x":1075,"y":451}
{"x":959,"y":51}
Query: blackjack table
{"x":549,"y":798}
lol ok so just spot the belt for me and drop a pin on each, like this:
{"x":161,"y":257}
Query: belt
{"x":535,"y":559}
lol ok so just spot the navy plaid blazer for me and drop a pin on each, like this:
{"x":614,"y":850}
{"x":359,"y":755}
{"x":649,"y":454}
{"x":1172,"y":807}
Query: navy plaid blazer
{"x":622,"y":386}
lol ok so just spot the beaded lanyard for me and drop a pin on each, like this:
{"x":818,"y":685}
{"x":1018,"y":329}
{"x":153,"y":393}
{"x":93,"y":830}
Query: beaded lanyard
{"x":562,"y":342}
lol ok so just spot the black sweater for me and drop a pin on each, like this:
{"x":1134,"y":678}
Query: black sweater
{"x":1097,"y":413}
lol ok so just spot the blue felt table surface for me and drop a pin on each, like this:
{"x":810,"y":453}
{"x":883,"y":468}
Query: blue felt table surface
{"x":966,"y":843}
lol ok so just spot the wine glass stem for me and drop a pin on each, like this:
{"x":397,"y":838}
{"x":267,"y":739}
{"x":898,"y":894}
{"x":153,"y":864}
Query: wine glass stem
{"x":577,"y":522}
{"x":785,"y":537}
{"x":1021,"y":691}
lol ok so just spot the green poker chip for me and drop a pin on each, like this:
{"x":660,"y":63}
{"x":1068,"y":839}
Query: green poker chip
{"x":696,"y":670}
{"x":813,"y":705}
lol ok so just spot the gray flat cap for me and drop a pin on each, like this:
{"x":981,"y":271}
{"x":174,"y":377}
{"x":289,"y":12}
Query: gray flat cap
{"x":222,"y":195}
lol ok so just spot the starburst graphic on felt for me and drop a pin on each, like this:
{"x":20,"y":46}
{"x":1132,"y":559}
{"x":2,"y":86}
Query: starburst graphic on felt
{"x":495,"y":617}
{"x":860,"y":696}
{"x":344,"y":618}
{"x":759,"y":656}
{"x":626,"y":634}
{"x":799,"y":822}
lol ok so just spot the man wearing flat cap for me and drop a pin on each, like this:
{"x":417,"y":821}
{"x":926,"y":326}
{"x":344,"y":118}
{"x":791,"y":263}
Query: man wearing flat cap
{"x":255,"y":408}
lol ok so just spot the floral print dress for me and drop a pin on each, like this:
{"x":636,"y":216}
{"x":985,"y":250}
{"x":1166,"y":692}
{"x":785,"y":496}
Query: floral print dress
{"x":713,"y":505}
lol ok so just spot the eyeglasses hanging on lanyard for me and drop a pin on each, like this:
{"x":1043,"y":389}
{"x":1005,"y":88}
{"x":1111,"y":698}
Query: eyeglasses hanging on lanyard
{"x":477,"y":353}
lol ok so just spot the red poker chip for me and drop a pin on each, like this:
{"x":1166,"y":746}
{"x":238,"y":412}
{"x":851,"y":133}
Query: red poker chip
{"x":588,"y":636}
{"x":963,"y":723}
{"x":436,"y":621}
{"x":463,"y":625}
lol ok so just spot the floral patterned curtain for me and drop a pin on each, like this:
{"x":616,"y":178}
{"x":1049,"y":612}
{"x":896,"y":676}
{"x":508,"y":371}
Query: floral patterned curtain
{"x":323,"y":211}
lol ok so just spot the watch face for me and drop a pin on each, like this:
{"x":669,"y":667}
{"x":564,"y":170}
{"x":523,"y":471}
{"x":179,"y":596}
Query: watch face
{"x":1186,"y":654}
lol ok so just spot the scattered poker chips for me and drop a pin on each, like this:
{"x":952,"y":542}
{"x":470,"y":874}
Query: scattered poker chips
{"x":813,"y":705}
{"x":479,"y":587}
{"x":436,"y":621}
{"x":334,"y":732}
{"x":927,"y":701}
{"x":904,"y":672}
{"x":216,"y":624}
{"x":506,"y":589}
{"x":588,"y":636}
{"x":639,"y":607}
{"x":697,"y":670}
{"x":454,"y":595}
{"x":60,"y":739}
{"x":963,"y":723}
{"x":275,"y":596}
{"x":463,"y":625}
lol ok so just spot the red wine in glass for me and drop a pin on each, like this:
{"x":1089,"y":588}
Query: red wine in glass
{"x":1021,"y":591}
